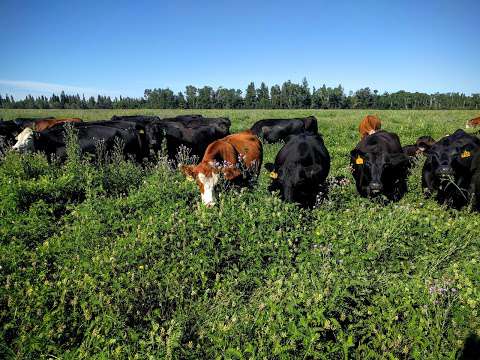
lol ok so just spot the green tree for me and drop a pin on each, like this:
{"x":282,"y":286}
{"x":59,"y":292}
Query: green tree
{"x":276,"y":97}
{"x":181,"y":102}
{"x":263,"y":97}
{"x":205,"y":97}
{"x":191,"y":93}
{"x":251,"y":96}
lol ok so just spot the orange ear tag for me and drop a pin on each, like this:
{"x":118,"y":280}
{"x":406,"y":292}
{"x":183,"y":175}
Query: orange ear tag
{"x":465,"y":154}
{"x":273,"y":175}
{"x":359,"y":161}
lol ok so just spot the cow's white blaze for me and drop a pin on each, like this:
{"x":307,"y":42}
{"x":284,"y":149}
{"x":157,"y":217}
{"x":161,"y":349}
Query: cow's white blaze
{"x":208,"y":182}
{"x":24,"y":140}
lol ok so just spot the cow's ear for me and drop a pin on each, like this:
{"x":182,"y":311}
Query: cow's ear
{"x":467,"y":152}
{"x":357,"y":156}
{"x":188,"y":171}
{"x":269,"y":166}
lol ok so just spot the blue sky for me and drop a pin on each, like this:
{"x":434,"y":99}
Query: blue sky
{"x":122,"y":47}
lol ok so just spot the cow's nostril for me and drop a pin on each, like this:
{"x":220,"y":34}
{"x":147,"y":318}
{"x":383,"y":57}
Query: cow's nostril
{"x":445,"y":171}
{"x":375,"y":187}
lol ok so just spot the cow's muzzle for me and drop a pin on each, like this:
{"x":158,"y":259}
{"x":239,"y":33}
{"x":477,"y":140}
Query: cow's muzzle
{"x":375,"y":187}
{"x":444,"y":172}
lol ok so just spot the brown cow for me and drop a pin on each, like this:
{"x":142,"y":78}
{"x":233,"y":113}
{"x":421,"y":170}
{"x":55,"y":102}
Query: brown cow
{"x":44,"y":124}
{"x":473,"y":123}
{"x":225,"y":156}
{"x":369,"y":125}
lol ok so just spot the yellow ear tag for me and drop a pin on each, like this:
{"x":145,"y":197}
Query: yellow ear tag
{"x":465,"y":154}
{"x":273,"y":175}
{"x":359,"y":161}
{"x":141,"y":131}
{"x":190,"y":178}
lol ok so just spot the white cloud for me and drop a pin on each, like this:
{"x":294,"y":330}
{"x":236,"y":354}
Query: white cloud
{"x":19,"y":88}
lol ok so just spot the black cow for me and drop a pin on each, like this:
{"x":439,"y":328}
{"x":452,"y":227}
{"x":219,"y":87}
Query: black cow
{"x":379,"y":166}
{"x":53,"y":142}
{"x":193,"y":132}
{"x":175,"y":134}
{"x":274,"y":130}
{"x":301,"y":168}
{"x":8,"y":131}
{"x":422,"y":144}
{"x":136,"y":126}
{"x":449,"y":168}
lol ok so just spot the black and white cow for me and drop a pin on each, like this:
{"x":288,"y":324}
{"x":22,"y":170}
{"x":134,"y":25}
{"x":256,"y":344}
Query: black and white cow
{"x":53,"y":141}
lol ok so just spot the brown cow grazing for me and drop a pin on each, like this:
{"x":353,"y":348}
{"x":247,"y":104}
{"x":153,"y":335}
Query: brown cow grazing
{"x":473,"y":123}
{"x":369,"y":125}
{"x":225,"y":156}
{"x":44,"y":124}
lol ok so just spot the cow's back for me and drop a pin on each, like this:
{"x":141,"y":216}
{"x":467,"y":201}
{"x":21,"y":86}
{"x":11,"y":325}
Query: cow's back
{"x":42,"y":125}
{"x":305,"y":149}
{"x":246,"y":143}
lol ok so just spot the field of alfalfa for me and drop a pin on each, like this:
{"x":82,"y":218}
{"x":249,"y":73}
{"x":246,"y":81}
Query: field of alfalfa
{"x":113,"y":260}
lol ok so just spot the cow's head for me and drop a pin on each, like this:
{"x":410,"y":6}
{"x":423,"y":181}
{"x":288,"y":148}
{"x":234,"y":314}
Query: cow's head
{"x":24,"y":141}
{"x":224,"y":125}
{"x":293,"y":182}
{"x":450,"y":161}
{"x":424,"y":143}
{"x":374,"y":171}
{"x":284,"y":179}
{"x":206,"y":176}
{"x":276,"y":176}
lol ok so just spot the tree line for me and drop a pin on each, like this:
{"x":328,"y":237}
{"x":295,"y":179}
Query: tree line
{"x":289,"y":95}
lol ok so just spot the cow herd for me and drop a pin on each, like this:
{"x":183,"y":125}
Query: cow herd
{"x":380,"y":165}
